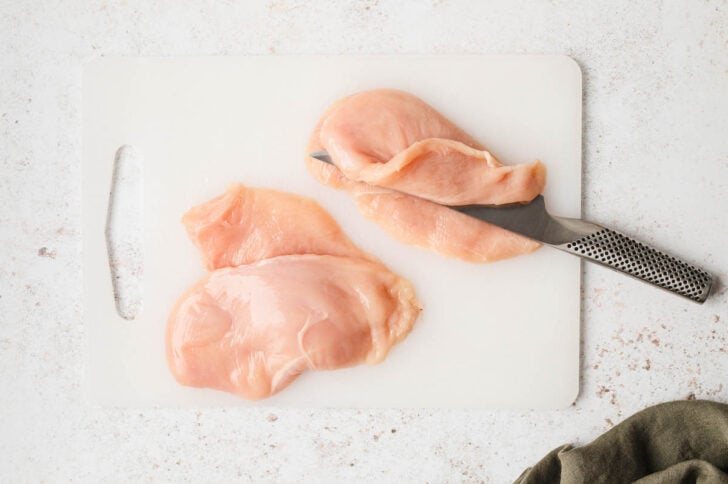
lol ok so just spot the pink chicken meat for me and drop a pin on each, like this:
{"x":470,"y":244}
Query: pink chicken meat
{"x":246,"y":225}
{"x":402,"y":161}
{"x":280,"y":301}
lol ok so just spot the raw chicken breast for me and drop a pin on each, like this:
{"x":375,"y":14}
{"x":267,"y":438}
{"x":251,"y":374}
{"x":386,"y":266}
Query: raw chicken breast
{"x":441,"y":229}
{"x":290,"y":292}
{"x":251,"y":330}
{"x":392,"y":140}
{"x":247,"y":225}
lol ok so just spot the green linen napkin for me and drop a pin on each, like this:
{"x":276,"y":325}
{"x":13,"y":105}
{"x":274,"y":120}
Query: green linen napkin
{"x":676,"y":442}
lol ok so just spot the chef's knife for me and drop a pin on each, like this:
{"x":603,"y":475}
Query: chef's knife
{"x":593,"y":242}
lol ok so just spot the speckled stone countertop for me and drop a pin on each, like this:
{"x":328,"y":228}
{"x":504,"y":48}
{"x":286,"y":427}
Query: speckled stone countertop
{"x":655,"y":166}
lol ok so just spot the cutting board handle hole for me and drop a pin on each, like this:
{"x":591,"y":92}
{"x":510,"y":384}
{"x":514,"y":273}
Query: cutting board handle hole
{"x":124,"y":229}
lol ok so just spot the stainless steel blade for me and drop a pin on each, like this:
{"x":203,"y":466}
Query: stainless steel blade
{"x":531,"y":220}
{"x":322,"y":156}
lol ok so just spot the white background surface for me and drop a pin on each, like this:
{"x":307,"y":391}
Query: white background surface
{"x":655,"y":166}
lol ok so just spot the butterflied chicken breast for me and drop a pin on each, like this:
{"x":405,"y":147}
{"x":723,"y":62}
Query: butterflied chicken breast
{"x":393,"y":140}
{"x":252,"y":329}
{"x":289,"y":292}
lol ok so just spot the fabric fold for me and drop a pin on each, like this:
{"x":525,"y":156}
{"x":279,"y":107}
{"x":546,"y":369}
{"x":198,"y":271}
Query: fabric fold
{"x":675,"y":442}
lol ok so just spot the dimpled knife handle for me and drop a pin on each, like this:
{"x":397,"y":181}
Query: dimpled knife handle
{"x":624,"y":254}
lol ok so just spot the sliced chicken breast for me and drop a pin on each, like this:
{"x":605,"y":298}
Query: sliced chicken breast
{"x":387,"y":144}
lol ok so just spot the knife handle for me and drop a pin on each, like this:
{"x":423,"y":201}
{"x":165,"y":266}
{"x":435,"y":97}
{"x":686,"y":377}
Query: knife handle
{"x":621,"y":253}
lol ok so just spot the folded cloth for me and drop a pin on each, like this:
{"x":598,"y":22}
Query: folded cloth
{"x":674,"y":442}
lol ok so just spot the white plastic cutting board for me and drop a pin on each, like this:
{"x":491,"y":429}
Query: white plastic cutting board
{"x":498,"y":335}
